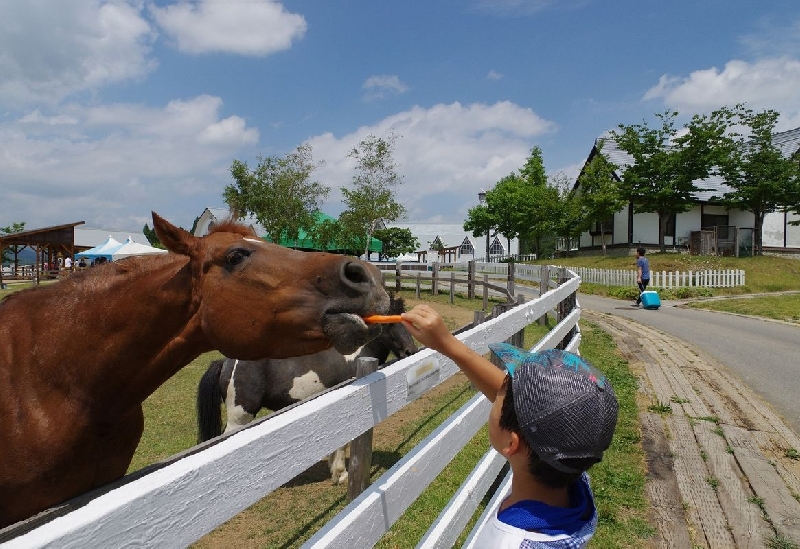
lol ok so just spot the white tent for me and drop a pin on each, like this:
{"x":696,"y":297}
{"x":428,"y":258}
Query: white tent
{"x":134,"y":248}
{"x":103,"y":250}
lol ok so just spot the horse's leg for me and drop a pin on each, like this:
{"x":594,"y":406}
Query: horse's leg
{"x":337,"y":463}
{"x":237,"y":416}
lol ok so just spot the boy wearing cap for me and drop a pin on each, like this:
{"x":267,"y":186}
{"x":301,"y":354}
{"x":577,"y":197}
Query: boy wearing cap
{"x":553,"y":416}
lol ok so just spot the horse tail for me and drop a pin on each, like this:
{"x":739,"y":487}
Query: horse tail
{"x":209,"y":403}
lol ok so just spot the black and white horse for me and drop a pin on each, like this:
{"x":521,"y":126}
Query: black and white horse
{"x":248,"y":386}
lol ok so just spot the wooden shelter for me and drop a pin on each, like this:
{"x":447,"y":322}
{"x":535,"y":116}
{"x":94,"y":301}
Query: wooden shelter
{"x":49,"y":243}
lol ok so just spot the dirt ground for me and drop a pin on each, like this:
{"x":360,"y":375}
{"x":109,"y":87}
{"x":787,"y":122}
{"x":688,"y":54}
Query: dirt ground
{"x":723,"y":467}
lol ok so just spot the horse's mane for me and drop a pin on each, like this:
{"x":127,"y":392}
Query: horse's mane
{"x":230,"y":225}
{"x":397,"y":306}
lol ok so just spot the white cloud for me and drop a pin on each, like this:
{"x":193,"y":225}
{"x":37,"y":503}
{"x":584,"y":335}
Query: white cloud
{"x":507,"y":8}
{"x":51,"y":50}
{"x":111,"y":165}
{"x":763,"y":84}
{"x":380,"y":86}
{"x":494,"y":75}
{"x":254,"y":27}
{"x":446,"y":154}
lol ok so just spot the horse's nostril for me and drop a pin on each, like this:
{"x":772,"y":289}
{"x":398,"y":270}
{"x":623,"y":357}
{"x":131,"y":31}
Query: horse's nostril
{"x":356,"y":273}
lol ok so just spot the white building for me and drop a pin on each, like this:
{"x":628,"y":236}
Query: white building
{"x":632,"y":229}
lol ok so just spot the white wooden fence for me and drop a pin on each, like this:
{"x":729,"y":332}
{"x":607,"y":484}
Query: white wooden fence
{"x":708,"y":278}
{"x":724,"y":278}
{"x":175,"y":505}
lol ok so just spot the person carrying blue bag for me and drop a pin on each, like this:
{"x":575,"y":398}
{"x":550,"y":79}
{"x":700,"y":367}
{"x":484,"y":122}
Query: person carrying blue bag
{"x":642,"y":273}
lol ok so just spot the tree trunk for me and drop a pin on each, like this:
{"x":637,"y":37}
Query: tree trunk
{"x":662,"y":229}
{"x":603,"y":238}
{"x":758,"y":223}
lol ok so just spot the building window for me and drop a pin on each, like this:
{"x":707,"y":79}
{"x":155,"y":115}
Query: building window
{"x":496,"y":248}
{"x":709,"y":221}
{"x":466,"y":247}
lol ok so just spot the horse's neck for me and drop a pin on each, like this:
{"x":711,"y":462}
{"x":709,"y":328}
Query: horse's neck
{"x":126,"y":334}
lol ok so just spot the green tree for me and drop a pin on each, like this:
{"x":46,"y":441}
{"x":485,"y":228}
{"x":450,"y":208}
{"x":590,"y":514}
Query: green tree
{"x":396,"y":242}
{"x":667,"y":162}
{"x":372,"y":196}
{"x":761,"y":178}
{"x":570,"y":219}
{"x":600,"y":193}
{"x":279,"y":193}
{"x":152,"y":237}
{"x":538,"y":204}
{"x":15,"y":249}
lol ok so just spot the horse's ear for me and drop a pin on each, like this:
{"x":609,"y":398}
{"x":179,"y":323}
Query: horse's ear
{"x":174,"y":238}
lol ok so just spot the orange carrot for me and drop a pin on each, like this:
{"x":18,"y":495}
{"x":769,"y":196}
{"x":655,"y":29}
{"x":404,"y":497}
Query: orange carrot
{"x":382,"y":319}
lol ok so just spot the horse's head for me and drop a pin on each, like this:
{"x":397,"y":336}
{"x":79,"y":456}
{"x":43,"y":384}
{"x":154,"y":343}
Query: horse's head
{"x":259,"y":300}
{"x":394,"y":337}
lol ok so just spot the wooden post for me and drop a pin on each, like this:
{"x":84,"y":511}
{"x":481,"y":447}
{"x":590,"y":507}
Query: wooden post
{"x":435,"y":279}
{"x":485,"y":292}
{"x":565,"y":308}
{"x":419,"y":274}
{"x":452,"y":287}
{"x":397,"y":273}
{"x":361,"y":447}
{"x":510,"y":280}
{"x":544,"y":286}
{"x":471,"y":280}
{"x":518,"y":339}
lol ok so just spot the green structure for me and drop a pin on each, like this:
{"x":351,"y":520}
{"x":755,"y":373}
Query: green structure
{"x":304,"y":242}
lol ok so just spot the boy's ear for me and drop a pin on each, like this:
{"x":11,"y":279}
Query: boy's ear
{"x":513,"y":445}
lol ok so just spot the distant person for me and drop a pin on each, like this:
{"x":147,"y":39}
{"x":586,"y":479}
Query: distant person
{"x":68,"y":263}
{"x":553,"y":416}
{"x":642,"y":273}
{"x":82,"y":263}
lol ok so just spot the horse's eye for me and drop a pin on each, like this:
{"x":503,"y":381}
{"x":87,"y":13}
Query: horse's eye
{"x":237,"y":256}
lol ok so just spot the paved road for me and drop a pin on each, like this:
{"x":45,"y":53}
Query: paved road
{"x":764,"y":354}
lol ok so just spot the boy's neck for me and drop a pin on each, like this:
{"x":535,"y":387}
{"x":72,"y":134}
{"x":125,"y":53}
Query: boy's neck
{"x":525,"y":487}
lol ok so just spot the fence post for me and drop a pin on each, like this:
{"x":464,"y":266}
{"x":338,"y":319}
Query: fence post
{"x":510,"y":282}
{"x":361,"y":447}
{"x":419,"y":274}
{"x":544,"y":286}
{"x":397,"y":273}
{"x":485,"y":292}
{"x":518,"y":339}
{"x":471,"y":279}
{"x":452,"y":287}
{"x":435,"y":279}
{"x":565,"y":308}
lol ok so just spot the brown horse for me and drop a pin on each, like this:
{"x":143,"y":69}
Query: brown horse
{"x":78,"y":358}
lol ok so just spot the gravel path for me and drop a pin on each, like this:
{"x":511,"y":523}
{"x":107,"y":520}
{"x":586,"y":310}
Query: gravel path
{"x":723,"y":467}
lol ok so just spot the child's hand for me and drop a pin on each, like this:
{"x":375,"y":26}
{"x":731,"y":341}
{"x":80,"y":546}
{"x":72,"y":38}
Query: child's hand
{"x":427,"y":327}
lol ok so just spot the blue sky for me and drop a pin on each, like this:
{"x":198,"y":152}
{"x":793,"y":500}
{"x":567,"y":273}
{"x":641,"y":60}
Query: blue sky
{"x":109,"y":110}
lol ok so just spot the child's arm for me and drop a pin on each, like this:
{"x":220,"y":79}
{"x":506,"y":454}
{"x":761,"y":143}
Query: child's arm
{"x":425,"y":324}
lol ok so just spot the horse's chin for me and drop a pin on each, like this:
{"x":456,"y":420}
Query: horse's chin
{"x":346,"y":331}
